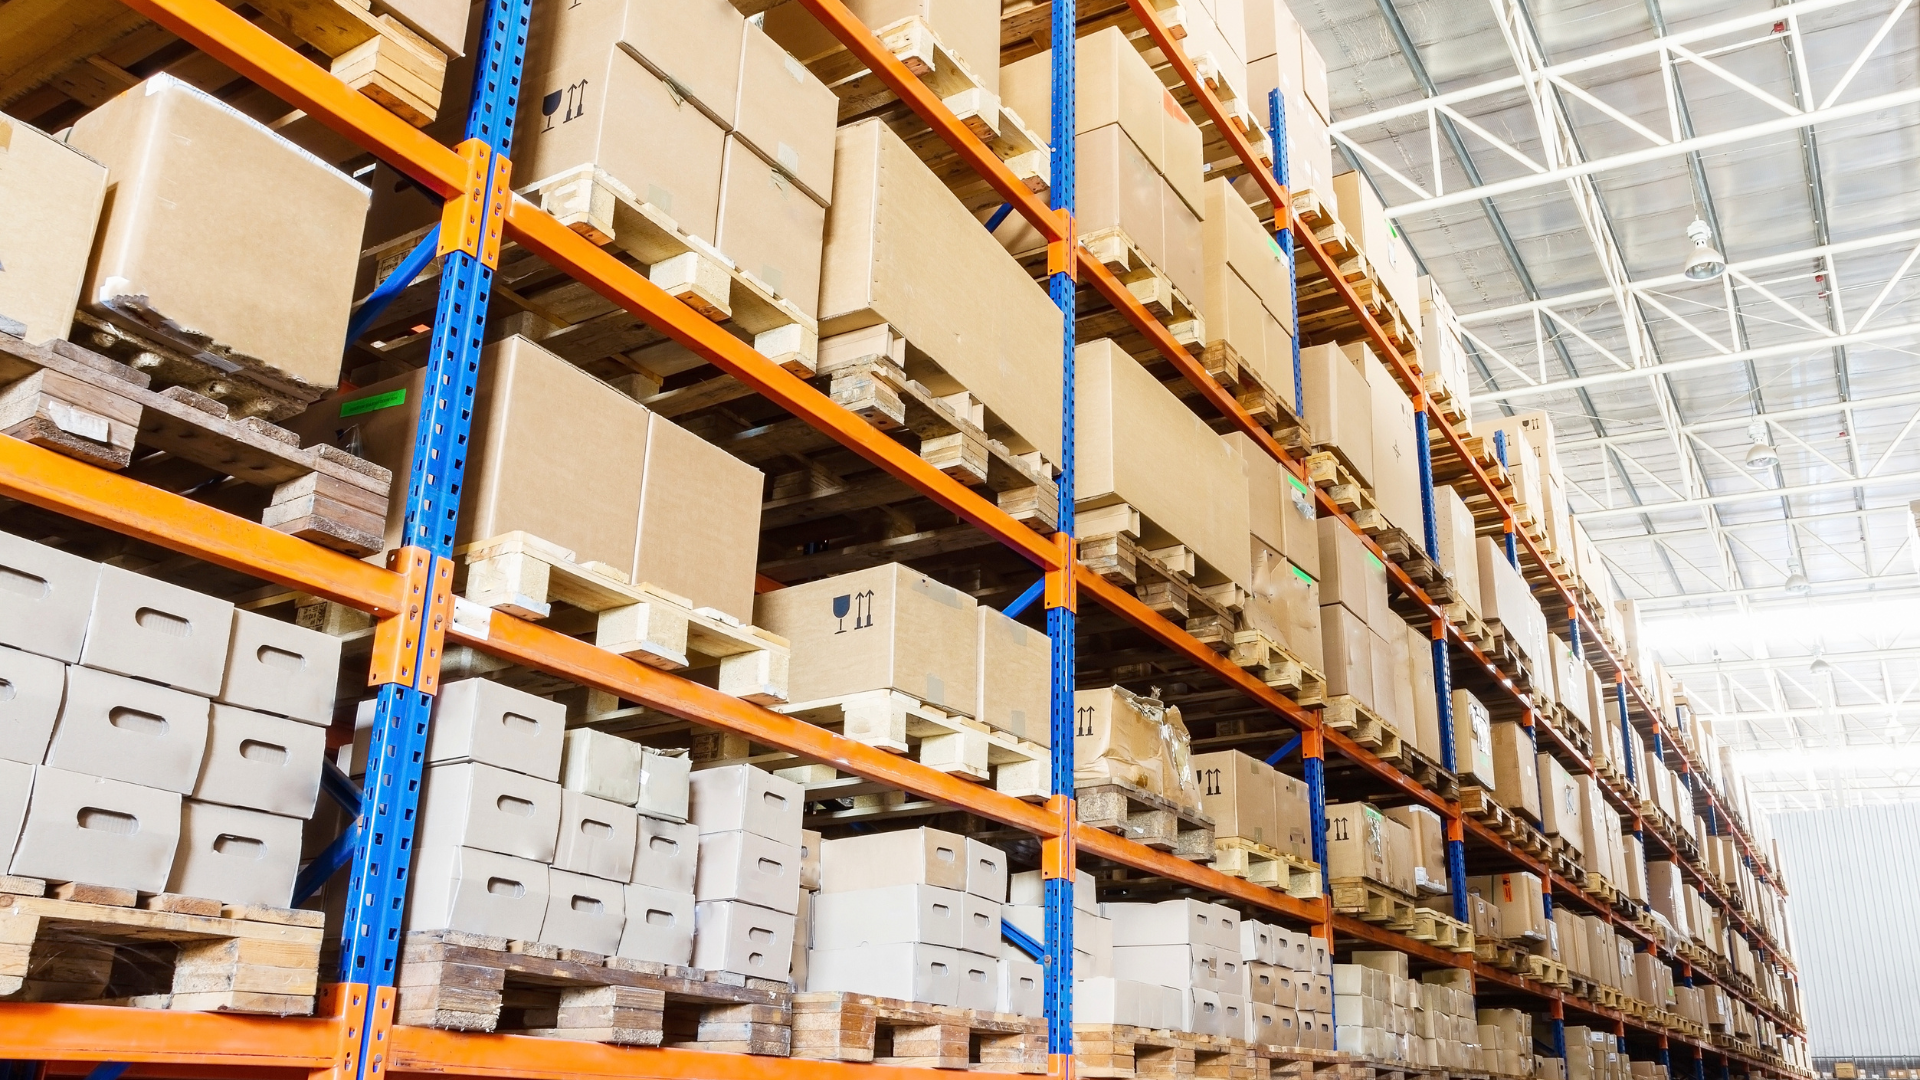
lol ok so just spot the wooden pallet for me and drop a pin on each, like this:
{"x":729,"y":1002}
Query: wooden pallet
{"x":831,"y":1026}
{"x":79,"y":403}
{"x":523,"y":575}
{"x":1370,"y":901}
{"x":1324,"y":316}
{"x":470,"y":982}
{"x":1145,"y":818}
{"x":1329,"y":470}
{"x":1259,"y":864}
{"x":1110,"y":540}
{"x":1269,"y":403}
{"x":1278,"y":668}
{"x":1425,"y":771}
{"x":1121,"y":1051}
{"x":98,"y":945}
{"x":595,"y":204}
{"x":1346,"y":715}
{"x":1501,"y":954}
{"x":1149,"y":284}
{"x":1407,"y":552}
{"x":1438,"y":930}
{"x":1551,"y":972}
{"x":943,"y":741}
{"x":1308,"y":1063}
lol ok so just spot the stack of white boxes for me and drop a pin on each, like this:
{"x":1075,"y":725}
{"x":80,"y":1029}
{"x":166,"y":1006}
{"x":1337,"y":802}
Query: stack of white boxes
{"x":1373,"y":1001}
{"x":747,"y":891}
{"x":1190,"y":946}
{"x":154,"y":738}
{"x":1096,"y":994}
{"x":1289,"y":986}
{"x":915,"y":915}
{"x":1446,"y":1020}
{"x":603,"y":775}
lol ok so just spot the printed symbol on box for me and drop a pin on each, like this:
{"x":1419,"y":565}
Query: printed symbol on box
{"x":1083,"y":722}
{"x":574,"y":95}
{"x":1338,"y":826}
{"x":1209,"y":781}
{"x":859,"y":604}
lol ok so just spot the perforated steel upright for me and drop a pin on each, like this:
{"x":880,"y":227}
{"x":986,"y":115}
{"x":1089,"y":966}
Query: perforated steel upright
{"x":1058,"y":861}
{"x":469,"y":247}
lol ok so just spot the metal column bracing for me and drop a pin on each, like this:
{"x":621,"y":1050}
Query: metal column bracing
{"x":1277,"y":135}
{"x":1058,"y":863}
{"x":1442,"y":663}
{"x":469,"y":247}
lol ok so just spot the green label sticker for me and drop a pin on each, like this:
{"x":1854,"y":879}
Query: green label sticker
{"x":1302,"y":574}
{"x":1374,"y":561}
{"x":373,"y":404}
{"x":1297,"y":485}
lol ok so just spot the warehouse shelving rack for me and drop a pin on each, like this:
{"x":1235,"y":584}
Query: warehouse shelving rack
{"x":353,"y":1035}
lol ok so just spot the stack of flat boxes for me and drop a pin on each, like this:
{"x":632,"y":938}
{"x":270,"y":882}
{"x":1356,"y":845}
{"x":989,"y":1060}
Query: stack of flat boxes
{"x":1362,"y":843}
{"x":1428,"y":835}
{"x":1289,"y":989}
{"x":154,"y":738}
{"x":1098,"y":998}
{"x":694,"y":109}
{"x":1446,"y":1019}
{"x":1280,"y":56}
{"x":1374,"y":1003}
{"x":1506,"y":598}
{"x":1191,"y":947}
{"x":1506,"y":1041}
{"x":915,"y":915}
{"x":623,"y":813}
{"x":1251,"y":800}
{"x":747,"y":889}
{"x":1595,"y":1055}
{"x":1283,"y":601}
{"x":1249,"y":288}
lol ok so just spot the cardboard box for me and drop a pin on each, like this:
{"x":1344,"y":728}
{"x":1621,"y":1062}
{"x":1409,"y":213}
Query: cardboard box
{"x":1114,"y":84}
{"x":1357,"y":843}
{"x":129,"y":730}
{"x":1175,"y":922}
{"x":37,"y":685}
{"x":196,"y":245}
{"x":1140,"y":445}
{"x":743,"y":797}
{"x":149,"y":629}
{"x":1016,"y":670}
{"x":1429,"y":842}
{"x":1122,"y":191}
{"x":1518,"y":896}
{"x":1293,"y":816}
{"x":1473,"y":741}
{"x":1200,"y":1012}
{"x":1284,"y":604}
{"x":479,"y":892}
{"x":49,"y":597}
{"x":1123,"y":1001}
{"x":743,"y":866}
{"x":666,"y":854}
{"x":55,"y":194}
{"x":1360,"y":211}
{"x":601,"y":765}
{"x":1402,"y":855}
{"x":1022,"y":991}
{"x":1351,"y":575}
{"x":16,"y":788}
{"x":235,"y":855}
{"x":98,"y":831}
{"x":904,"y":970}
{"x":1559,"y":802}
{"x":986,"y":872}
{"x":698,"y":535}
{"x":481,"y":806}
{"x":1459,"y":555}
{"x":1280,"y":509}
{"x":895,"y":914}
{"x":442,"y":22}
{"x":261,"y":762}
{"x":1026,"y":887}
{"x":1348,"y":648}
{"x":1515,"y":764}
{"x":666,"y":784}
{"x":1340,"y":405}
{"x":906,"y":857}
{"x":788,"y":116}
{"x":583,"y":912}
{"x":810,"y":842}
{"x":901,"y":250}
{"x":882,"y":628}
{"x":277,"y":667}
{"x":979,"y":981}
{"x":1234,"y":237}
{"x":494,"y":724}
{"x":1426,"y":700}
{"x":1396,"y":461}
{"x":1181,"y":966}
{"x":1237,"y":792}
{"x":970,"y":28}
{"x":659,"y":925}
{"x":590,"y":101}
{"x":1119,"y":735}
{"x":742,"y":938}
{"x":597,"y":837}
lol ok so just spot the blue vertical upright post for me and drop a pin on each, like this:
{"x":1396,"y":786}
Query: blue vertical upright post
{"x":1626,"y":728}
{"x":1500,"y":451}
{"x":1059,"y":874}
{"x":1442,"y":663}
{"x":383,"y":842}
{"x":1283,"y":234}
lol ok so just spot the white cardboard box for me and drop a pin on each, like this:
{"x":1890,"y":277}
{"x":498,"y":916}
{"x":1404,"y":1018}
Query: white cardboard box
{"x":1022,"y":987}
{"x":237,"y":855}
{"x":986,"y":871}
{"x":151,"y":629}
{"x":601,"y":765}
{"x":910,"y":972}
{"x":474,"y":805}
{"x":480,"y":892}
{"x":484,"y":721}
{"x":659,"y":925}
{"x":16,"y":787}
{"x":38,"y":684}
{"x":1201,"y":1011}
{"x":584,"y":912}
{"x":98,"y":831}
{"x":130,"y":730}
{"x":598,"y":837}
{"x":1170,"y":965}
{"x":892,"y":915}
{"x":276,"y":667}
{"x":907,"y":857}
{"x":1106,"y":1000}
{"x":666,"y":855}
{"x":261,"y":762}
{"x":742,"y":938}
{"x":664,"y":785}
{"x":743,"y":797}
{"x":979,"y":980}
{"x":982,"y":919}
{"x":48,"y":595}
{"x":748,"y":867}
{"x":1026,"y":887}
{"x":1174,"y":922}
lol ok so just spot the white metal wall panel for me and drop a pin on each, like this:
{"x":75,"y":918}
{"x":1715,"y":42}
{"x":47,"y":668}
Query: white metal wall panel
{"x":1854,"y":909}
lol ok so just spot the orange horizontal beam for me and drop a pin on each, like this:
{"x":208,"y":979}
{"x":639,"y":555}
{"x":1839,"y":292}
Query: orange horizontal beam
{"x":55,"y":482}
{"x":422,"y":1051}
{"x":43,"y":1032}
{"x":1119,"y":849}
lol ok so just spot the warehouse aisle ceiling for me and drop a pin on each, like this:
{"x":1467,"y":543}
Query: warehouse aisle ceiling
{"x":1544,"y":159}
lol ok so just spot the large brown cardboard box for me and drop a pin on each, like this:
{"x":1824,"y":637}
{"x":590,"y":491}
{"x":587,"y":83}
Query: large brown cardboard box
{"x":882,"y":628}
{"x":1459,"y":557}
{"x":1339,"y":405}
{"x":1357,"y":843}
{"x":221,"y":236}
{"x":1516,"y":781}
{"x":1396,"y":462}
{"x":1365,"y":219}
{"x":1518,"y":896}
{"x":1140,"y":445}
{"x":1350,"y":575}
{"x":1426,"y":702}
{"x":769,"y":227}
{"x":969,"y":28}
{"x":1559,"y":802}
{"x":1113,"y":84}
{"x":1473,"y":741}
{"x":1238,"y":792}
{"x":1392,"y":689}
{"x":1403,"y":855}
{"x":591,"y":103}
{"x":443,"y":22}
{"x":1429,"y":840}
{"x":1245,"y":264}
{"x":53,"y":194}
{"x":1293,"y":815}
{"x":1348,"y":651}
{"x":1284,"y":604}
{"x":788,"y":115}
{"x":901,"y":250}
{"x":1234,"y":315}
{"x":698,"y":529}
{"x":1119,"y":735}
{"x":1280,"y":509}
{"x":1016,"y":671}
{"x":694,"y":44}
